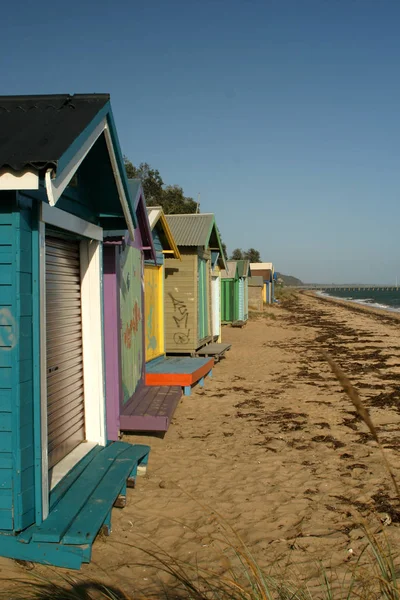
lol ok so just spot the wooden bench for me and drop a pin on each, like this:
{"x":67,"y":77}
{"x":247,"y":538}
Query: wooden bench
{"x":151,"y":408}
{"x":217,"y":351}
{"x":80,"y":505}
{"x":184,"y":371}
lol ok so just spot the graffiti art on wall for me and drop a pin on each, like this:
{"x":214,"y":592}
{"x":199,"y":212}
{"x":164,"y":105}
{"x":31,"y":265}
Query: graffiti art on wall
{"x":131,"y":320}
{"x":180,"y":317}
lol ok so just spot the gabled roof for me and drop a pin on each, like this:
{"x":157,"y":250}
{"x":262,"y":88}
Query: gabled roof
{"x":191,"y":230}
{"x":265,"y":270}
{"x":231,"y":272}
{"x":48,"y":137}
{"x":139,"y":203}
{"x":35,"y":131}
{"x":197,"y":230}
{"x":243,"y":268}
{"x":157,"y":219}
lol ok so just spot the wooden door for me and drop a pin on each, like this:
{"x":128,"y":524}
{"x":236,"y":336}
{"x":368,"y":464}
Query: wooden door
{"x":154,"y":311}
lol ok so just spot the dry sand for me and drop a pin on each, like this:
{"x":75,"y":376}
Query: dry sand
{"x":274,"y":446}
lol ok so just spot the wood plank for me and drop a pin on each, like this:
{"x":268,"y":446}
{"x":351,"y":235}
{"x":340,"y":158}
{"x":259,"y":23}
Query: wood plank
{"x":66,"y":482}
{"x":154,"y":411}
{"x":213,"y":349}
{"x":55,"y":555}
{"x":87,"y":524}
{"x":64,"y":513}
{"x":182,"y":371}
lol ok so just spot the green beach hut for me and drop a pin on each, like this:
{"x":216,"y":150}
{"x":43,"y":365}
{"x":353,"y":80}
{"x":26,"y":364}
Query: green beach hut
{"x":235,"y":292}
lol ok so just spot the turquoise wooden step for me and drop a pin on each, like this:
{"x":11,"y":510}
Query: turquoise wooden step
{"x":69,"y":506}
{"x":92,"y":516}
{"x":79,"y":505}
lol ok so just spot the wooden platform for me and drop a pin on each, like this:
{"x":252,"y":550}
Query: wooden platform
{"x":239,"y":323}
{"x":151,"y":408}
{"x":80,"y":505}
{"x":183,"y":371}
{"x":215,"y":350}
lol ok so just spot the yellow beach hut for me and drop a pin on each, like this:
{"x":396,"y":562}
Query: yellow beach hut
{"x":154,"y":276}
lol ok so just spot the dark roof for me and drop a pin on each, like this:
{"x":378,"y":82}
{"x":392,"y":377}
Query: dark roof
{"x":35,"y":131}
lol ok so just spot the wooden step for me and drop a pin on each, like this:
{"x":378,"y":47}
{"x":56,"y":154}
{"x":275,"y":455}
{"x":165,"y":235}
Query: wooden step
{"x":69,"y":506}
{"x":86,"y":525}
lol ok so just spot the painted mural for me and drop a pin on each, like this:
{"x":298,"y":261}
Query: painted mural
{"x":154,"y":312}
{"x":131,"y":320}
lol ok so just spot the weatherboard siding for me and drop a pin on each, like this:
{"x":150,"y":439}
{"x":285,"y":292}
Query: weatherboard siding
{"x":15,"y":359}
{"x":180,"y":303}
{"x":158,"y":248}
{"x":24,"y":488}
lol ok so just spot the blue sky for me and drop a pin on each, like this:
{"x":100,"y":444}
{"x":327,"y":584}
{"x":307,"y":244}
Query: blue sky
{"x":282,"y":114}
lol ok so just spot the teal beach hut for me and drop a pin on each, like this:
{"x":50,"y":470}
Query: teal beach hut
{"x":62,"y":180}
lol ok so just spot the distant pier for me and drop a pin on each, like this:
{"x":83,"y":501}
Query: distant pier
{"x":348,"y":288}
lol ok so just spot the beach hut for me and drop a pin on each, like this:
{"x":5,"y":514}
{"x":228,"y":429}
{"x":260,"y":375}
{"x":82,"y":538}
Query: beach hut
{"x":244,"y":273}
{"x":130,"y":405}
{"x":256,"y":293}
{"x":266,"y":271}
{"x":154,"y":275}
{"x":230,"y":293}
{"x":188,"y":305}
{"x":235,"y":293}
{"x":61,"y":174}
{"x":189,"y":283}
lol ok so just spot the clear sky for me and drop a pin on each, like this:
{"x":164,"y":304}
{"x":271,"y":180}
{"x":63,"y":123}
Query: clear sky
{"x":283,"y":114}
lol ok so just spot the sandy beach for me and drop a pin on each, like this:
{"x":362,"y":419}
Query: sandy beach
{"x":273,"y":445}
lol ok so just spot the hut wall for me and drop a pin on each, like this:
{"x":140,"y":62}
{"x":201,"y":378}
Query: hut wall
{"x":204,"y":298}
{"x":154,"y":303}
{"x":227,"y":300}
{"x":131,"y":313}
{"x":255,"y":298}
{"x":180,"y":302}
{"x":216,"y":303}
{"x":19,"y":245}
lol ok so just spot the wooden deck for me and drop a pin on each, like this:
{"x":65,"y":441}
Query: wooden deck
{"x":183,"y":371}
{"x":151,"y":408}
{"x":80,"y":505}
{"x":239,"y":323}
{"x":215,"y":350}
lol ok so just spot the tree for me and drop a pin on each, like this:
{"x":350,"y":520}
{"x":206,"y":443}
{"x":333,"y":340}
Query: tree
{"x":174,"y":202}
{"x":171,"y":198}
{"x":237,"y":254}
{"x":252,"y":255}
{"x":151,"y":181}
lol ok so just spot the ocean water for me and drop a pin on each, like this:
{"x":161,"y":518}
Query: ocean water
{"x":385,"y":300}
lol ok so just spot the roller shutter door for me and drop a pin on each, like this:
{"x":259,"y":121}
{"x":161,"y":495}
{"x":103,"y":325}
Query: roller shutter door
{"x":65,"y":396}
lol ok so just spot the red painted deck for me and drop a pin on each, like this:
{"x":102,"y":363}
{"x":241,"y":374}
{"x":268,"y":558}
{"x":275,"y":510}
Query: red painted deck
{"x":178,"y":370}
{"x":151,"y":409}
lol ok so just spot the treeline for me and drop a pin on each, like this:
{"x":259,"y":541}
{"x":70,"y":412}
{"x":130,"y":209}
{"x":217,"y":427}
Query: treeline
{"x":251,"y":254}
{"x":173,"y":201}
{"x":170,"y":197}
